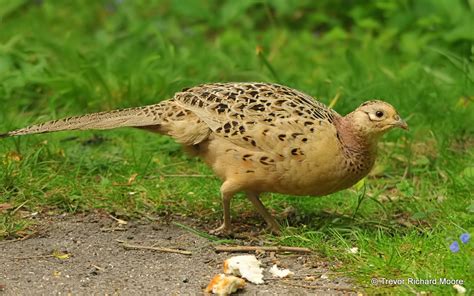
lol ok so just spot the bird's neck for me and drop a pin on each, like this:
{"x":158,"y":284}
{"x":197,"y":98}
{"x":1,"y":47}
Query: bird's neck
{"x":356,"y":143}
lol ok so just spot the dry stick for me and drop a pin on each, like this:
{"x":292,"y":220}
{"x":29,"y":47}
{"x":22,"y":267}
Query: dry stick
{"x":17,"y":239}
{"x":188,"y":176}
{"x":112,"y":229}
{"x":167,"y":250}
{"x":34,"y":257}
{"x":18,"y":208}
{"x":299,"y":277}
{"x":119,"y":221}
{"x":322,"y":287}
{"x":97,"y":267}
{"x":256,"y":248}
{"x":11,"y":241}
{"x":180,"y":176}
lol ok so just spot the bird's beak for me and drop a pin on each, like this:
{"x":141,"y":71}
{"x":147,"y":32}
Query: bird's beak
{"x":401,"y":124}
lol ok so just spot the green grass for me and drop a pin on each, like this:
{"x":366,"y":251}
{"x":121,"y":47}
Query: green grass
{"x":64,"y":59}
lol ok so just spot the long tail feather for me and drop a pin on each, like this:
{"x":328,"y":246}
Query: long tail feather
{"x":130,"y":117}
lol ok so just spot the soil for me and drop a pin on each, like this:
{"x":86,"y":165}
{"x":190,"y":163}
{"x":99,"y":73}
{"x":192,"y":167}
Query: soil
{"x":84,"y":255}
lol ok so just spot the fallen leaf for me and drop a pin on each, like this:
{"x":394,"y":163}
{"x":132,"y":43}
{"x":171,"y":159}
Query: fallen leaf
{"x":15,"y":156}
{"x":61,"y":255}
{"x":132,"y":179}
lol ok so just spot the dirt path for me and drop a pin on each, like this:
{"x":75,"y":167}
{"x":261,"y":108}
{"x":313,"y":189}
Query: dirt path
{"x":98,"y":264}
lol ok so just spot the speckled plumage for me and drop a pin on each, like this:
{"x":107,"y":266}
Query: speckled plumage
{"x":258,"y":137}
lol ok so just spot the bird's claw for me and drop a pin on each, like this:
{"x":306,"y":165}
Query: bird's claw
{"x":223,"y":230}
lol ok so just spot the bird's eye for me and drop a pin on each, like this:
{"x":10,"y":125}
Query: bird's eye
{"x":379,"y":114}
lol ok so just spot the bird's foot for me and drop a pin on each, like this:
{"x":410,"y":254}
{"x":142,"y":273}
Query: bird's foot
{"x":223,"y":230}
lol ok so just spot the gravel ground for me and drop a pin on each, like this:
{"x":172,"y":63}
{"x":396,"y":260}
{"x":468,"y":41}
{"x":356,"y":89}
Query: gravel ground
{"x":83,"y":255}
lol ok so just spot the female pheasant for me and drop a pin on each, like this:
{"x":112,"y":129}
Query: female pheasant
{"x":257,"y":137}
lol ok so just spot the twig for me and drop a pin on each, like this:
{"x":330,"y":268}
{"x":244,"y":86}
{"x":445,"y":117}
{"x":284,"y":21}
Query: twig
{"x":304,"y":276}
{"x":112,"y":229}
{"x":159,"y":249}
{"x":34,"y":257}
{"x":119,"y":221}
{"x":18,"y":208}
{"x":17,"y":239}
{"x":148,"y":216}
{"x":179,"y":176}
{"x":256,"y":248}
{"x":11,"y":241}
{"x":322,"y":287}
{"x":172,"y":165}
{"x":188,"y":176}
{"x":97,"y":267}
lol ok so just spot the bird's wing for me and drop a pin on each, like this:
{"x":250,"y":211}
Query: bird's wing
{"x":258,"y":116}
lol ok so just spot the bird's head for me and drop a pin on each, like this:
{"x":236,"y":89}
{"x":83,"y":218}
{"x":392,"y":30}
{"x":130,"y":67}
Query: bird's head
{"x":374,"y":118}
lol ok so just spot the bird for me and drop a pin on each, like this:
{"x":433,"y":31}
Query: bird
{"x":257,"y":137}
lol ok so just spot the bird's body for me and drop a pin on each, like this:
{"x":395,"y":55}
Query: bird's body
{"x":258,"y":137}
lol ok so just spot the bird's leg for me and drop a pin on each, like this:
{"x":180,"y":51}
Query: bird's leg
{"x":225,"y":228}
{"x":271,"y":222}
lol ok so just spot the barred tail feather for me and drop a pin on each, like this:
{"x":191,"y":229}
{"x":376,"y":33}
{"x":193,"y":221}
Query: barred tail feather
{"x":130,"y":117}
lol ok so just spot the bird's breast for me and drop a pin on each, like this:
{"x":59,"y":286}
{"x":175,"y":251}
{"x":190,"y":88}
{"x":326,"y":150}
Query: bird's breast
{"x":325,"y":170}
